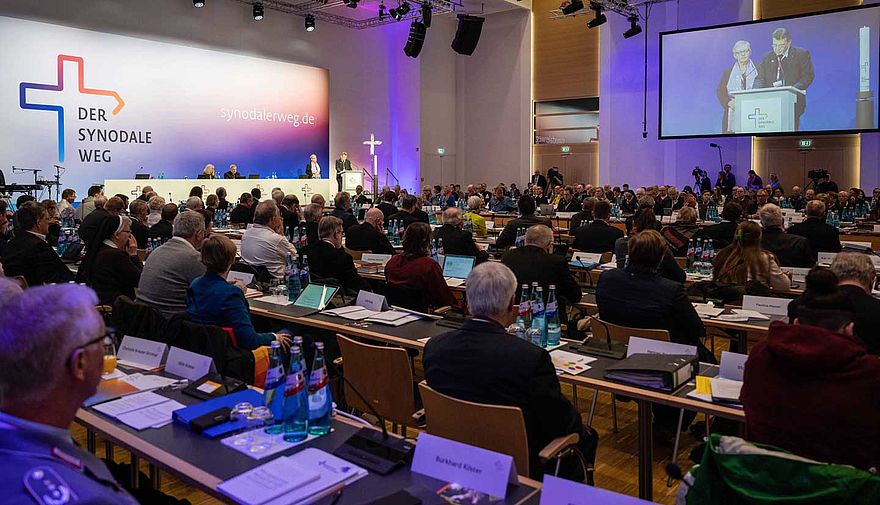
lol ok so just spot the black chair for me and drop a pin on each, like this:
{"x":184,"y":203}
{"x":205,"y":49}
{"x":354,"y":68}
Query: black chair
{"x":407,"y":297}
{"x":262,"y":277}
{"x":138,"y":320}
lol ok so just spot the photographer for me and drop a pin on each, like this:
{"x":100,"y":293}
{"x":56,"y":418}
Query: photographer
{"x":701,"y":180}
{"x":826,"y":185}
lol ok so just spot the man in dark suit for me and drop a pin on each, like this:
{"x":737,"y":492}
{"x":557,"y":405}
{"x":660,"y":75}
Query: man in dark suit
{"x":535,"y":262}
{"x":503,"y":370}
{"x":387,"y":205}
{"x":539,"y":180}
{"x":137,"y":211}
{"x":405,"y":214}
{"x":418,"y":213}
{"x":786,"y":66}
{"x":232,"y":173}
{"x":526,"y":206}
{"x":92,"y":222}
{"x":598,"y":236}
{"x":790,"y":250}
{"x":721,"y":234}
{"x":455,"y":239}
{"x":328,"y":259}
{"x":312,"y":214}
{"x":28,"y":254}
{"x":164,"y":229}
{"x":242,"y":213}
{"x":343,"y":164}
{"x":342,"y":210}
{"x":822,"y":237}
{"x":568,"y":203}
{"x":368,"y":236}
{"x":584,"y":216}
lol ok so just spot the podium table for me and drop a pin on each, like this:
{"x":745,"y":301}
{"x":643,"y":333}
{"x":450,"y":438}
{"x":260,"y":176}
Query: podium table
{"x":765,"y":110}
{"x":351,"y":179}
{"x":176,"y":190}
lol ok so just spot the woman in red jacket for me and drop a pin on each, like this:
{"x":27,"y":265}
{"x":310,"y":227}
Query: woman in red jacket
{"x":414,"y":267}
{"x":811,"y":388}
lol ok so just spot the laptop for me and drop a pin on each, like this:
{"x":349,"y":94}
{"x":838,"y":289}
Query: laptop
{"x":313,"y":299}
{"x":457,"y":268}
{"x":547,"y":209}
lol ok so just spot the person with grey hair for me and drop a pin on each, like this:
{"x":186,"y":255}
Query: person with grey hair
{"x":171,"y":268}
{"x":455,"y":239}
{"x":405,"y":213}
{"x":535,"y":262}
{"x":312,"y":214}
{"x":327,"y":258}
{"x":822,"y":236}
{"x":856,"y":276}
{"x":50,"y":362}
{"x":342,"y":210}
{"x":155,"y":205}
{"x":264,"y":243}
{"x":741,"y":76}
{"x":501,"y":369}
{"x":790,"y":250}
{"x":478,"y":222}
{"x":277,"y":196}
{"x":137,"y":211}
{"x":369,"y":235}
{"x":28,"y":254}
{"x":194,"y":203}
{"x":318,"y":198}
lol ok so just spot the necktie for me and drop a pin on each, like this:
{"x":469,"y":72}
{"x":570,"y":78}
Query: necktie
{"x":779,"y":73}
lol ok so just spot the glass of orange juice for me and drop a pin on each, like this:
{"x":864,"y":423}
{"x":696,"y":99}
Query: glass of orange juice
{"x":109,"y":358}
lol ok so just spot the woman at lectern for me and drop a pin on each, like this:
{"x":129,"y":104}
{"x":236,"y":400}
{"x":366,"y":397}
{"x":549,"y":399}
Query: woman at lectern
{"x":208,"y":172}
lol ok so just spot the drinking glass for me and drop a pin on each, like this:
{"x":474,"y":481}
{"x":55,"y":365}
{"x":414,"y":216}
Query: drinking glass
{"x":240,"y":415}
{"x":263,"y":441}
{"x":109,"y":358}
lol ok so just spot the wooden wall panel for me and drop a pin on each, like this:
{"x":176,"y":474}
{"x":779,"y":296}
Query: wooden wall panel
{"x":580,"y":165}
{"x":776,"y":8}
{"x":839,"y":154}
{"x":566,"y":55}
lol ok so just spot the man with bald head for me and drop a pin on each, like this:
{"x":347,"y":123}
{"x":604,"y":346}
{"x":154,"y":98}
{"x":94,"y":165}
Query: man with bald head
{"x":369,"y":236}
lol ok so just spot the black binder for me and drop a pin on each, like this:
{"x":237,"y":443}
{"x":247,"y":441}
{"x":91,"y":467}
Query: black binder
{"x":661,"y":372}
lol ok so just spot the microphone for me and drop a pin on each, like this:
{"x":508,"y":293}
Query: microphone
{"x":374,"y":450}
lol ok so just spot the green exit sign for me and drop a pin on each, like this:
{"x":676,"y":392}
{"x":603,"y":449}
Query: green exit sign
{"x":566,"y":149}
{"x":805,"y":143}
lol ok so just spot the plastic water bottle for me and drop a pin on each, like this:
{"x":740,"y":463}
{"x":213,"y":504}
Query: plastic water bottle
{"x":539,"y":318}
{"x":468,"y":226}
{"x":524,"y":311}
{"x":304,"y":277}
{"x":273,"y":393}
{"x":691,"y":253}
{"x":434,"y":254}
{"x":705,"y":261}
{"x":440,"y":249}
{"x":400,"y":229}
{"x":320,"y":399}
{"x":552,"y":317}
{"x":296,"y":402}
{"x":291,"y":274}
{"x":698,"y":251}
{"x":62,"y":243}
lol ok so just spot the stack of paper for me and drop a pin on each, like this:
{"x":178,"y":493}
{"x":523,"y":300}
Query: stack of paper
{"x":751,"y":314}
{"x":142,"y":410}
{"x":707,"y":310}
{"x":393,"y":318}
{"x":275,"y":299}
{"x":300,"y":478}
{"x":726,"y":390}
{"x":569,"y":362}
{"x":353,"y":312}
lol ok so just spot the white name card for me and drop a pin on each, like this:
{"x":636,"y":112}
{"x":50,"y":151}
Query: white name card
{"x":244,"y":277}
{"x":375,"y":258}
{"x":480,"y":469}
{"x":140,"y":353}
{"x":798,"y":274}
{"x":556,"y":491}
{"x":371,"y":301}
{"x":638,"y":345}
{"x":877,"y":228}
{"x":733,"y":365}
{"x":586,"y":258}
{"x":766,"y":305}
{"x":187,"y":364}
{"x":825,"y":258}
{"x":490,"y":225}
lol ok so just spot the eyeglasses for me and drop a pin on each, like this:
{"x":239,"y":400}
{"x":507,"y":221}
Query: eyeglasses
{"x":105,"y":339}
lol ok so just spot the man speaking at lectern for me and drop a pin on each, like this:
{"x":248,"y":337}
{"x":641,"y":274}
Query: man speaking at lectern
{"x":786,"y":66}
{"x":342,"y":164}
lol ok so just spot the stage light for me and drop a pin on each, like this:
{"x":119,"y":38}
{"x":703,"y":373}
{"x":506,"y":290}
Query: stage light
{"x":310,"y":23}
{"x":426,"y":15}
{"x":401,"y":11}
{"x":634,"y":28}
{"x":258,"y":11}
{"x":416,"y":39}
{"x":600,"y":18}
{"x":198,"y":4}
{"x":572,"y":7}
{"x":382,"y":12}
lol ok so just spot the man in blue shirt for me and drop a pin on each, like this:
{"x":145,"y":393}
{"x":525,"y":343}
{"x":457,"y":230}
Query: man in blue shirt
{"x":501,"y":203}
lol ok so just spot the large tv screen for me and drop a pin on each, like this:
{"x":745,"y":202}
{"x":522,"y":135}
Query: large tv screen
{"x":809,"y":74}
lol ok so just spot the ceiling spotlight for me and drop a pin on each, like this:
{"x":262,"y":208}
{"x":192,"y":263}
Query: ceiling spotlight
{"x":572,"y":7}
{"x":382,"y":12}
{"x":426,"y":15}
{"x":198,"y":4}
{"x":258,"y":11}
{"x":400,"y":11}
{"x":634,"y":28}
{"x":600,"y":18}
{"x":310,"y":23}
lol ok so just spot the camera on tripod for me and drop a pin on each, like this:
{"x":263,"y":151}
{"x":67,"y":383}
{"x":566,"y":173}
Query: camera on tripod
{"x":819,"y":173}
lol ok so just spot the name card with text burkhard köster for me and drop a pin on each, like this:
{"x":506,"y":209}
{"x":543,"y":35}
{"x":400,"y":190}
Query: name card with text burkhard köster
{"x":472,"y":467}
{"x":187,"y":364}
{"x":140,"y":353}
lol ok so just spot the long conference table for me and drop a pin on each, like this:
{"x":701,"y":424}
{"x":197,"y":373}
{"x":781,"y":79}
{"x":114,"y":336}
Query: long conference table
{"x":176,"y":190}
{"x":416,"y":334}
{"x":205,"y":463}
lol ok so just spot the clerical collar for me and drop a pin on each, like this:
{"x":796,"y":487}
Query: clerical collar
{"x":488,"y":320}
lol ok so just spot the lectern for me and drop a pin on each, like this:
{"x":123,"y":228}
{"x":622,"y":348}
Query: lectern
{"x":351,"y":179}
{"x":765,"y":110}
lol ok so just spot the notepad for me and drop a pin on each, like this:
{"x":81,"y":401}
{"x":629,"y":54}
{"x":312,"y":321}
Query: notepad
{"x":155,"y":416}
{"x":751,"y":314}
{"x":265,"y":482}
{"x":130,"y":403}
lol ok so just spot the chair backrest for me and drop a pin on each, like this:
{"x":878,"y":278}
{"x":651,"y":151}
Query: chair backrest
{"x":383,"y":375}
{"x":407,"y":297}
{"x":355,"y":255}
{"x":138,"y":320}
{"x":494,"y":427}
{"x":601,"y":329}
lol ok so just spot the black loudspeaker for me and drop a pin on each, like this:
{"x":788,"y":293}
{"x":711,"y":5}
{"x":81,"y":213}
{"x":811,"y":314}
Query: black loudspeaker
{"x":416,"y":38}
{"x":468,"y":34}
